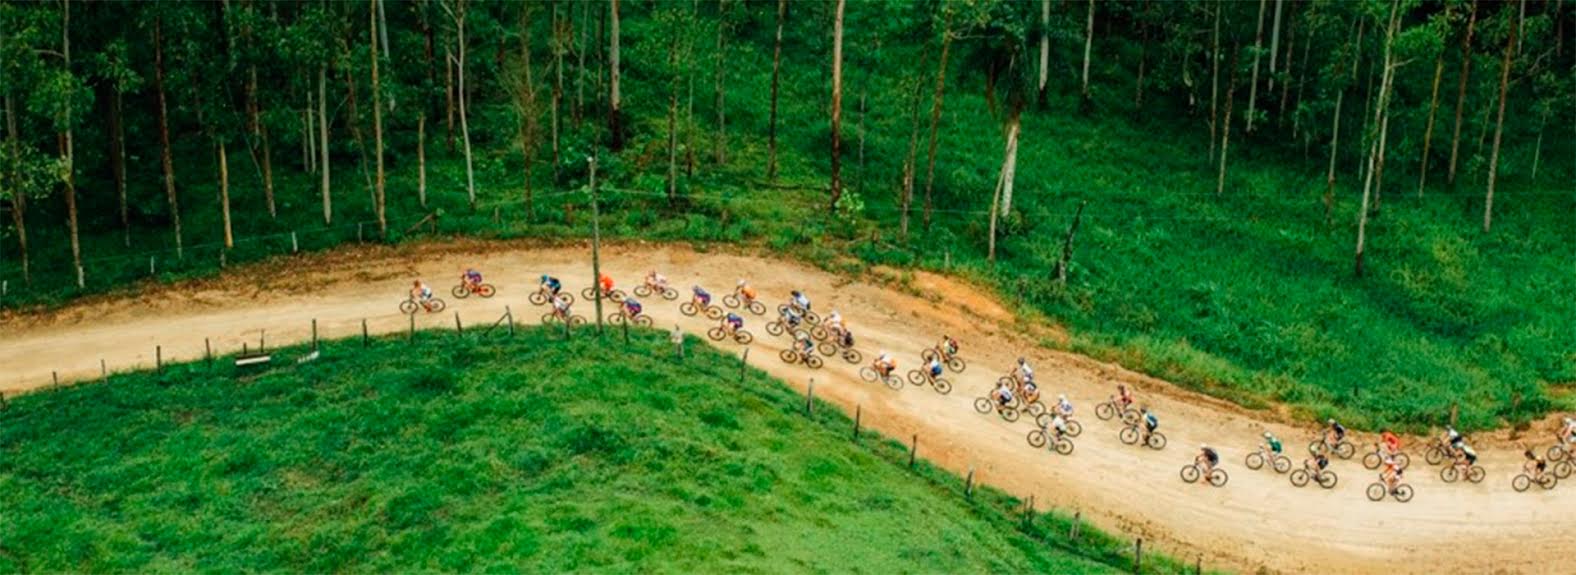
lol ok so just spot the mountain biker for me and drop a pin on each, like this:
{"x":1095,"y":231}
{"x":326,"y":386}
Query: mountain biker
{"x":1534,"y":465}
{"x":845,"y":339}
{"x":420,"y":293}
{"x":472,"y":279}
{"x":1568,"y":432}
{"x":803,"y":345}
{"x":1390,"y":441}
{"x":655,"y":281}
{"x":1271,"y":444}
{"x":1003,"y":394}
{"x":934,"y":367}
{"x":702,"y":297}
{"x":1058,"y":424}
{"x":631,"y":307}
{"x":1316,"y":464}
{"x":1335,"y":433}
{"x":1207,"y":458}
{"x":948,"y":346}
{"x":561,"y":307}
{"x":606,"y":283}
{"x":1124,"y":394}
{"x":800,"y":301}
{"x":1024,"y":371}
{"x":1031,"y":392}
{"x":732,"y":323}
{"x":744,"y":290}
{"x":551,"y":285}
{"x":885,"y":364}
{"x":1151,"y":423}
{"x":791,"y":317}
{"x":1466,"y":456}
{"x":1063,"y":407}
{"x":1452,"y":437}
{"x":1391,"y":476}
{"x":834,"y":322}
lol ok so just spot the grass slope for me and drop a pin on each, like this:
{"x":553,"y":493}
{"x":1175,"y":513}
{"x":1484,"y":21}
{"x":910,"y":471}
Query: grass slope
{"x":526,"y":454}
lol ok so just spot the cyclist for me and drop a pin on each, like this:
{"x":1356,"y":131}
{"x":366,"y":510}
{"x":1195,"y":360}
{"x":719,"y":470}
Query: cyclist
{"x":948,"y":346}
{"x":606,"y":283}
{"x":1271,"y":445}
{"x":472,"y":279}
{"x":1534,"y":465}
{"x":1025,"y":372}
{"x":1063,"y":407}
{"x":792,"y":318}
{"x":1568,"y":432}
{"x":420,"y":293}
{"x":803,"y":345}
{"x":551,"y":285}
{"x":1207,"y":458}
{"x":1452,"y":437}
{"x":1391,"y":476}
{"x":561,"y":307}
{"x":800,"y":301}
{"x":834,"y":323}
{"x":1124,"y":394}
{"x":1058,"y":424}
{"x":1031,"y":392}
{"x":1316,"y":464}
{"x":745,"y":292}
{"x":934,"y":367}
{"x":1465,"y":456}
{"x":632,"y":308}
{"x":1390,"y":441}
{"x":656,"y":282}
{"x":1151,"y":423}
{"x":702,"y":297}
{"x":845,"y":339}
{"x":732,"y":323}
{"x":1003,"y":394}
{"x":885,"y":364}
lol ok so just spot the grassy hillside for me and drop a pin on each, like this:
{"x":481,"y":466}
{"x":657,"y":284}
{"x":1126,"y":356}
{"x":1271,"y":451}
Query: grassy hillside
{"x":537,"y":455}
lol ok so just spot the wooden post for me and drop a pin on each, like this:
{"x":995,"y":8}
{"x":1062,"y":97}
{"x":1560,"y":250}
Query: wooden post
{"x":1198,"y":565}
{"x":364,"y":338}
{"x":596,"y":249}
{"x":358,"y":233}
{"x":295,"y":244}
{"x":946,"y":263}
{"x":509,"y":316}
{"x":3,"y":403}
{"x":1028,"y":512}
{"x":158,"y":358}
{"x":412,"y":334}
{"x":1138,"y":555}
{"x":103,"y":370}
{"x":1067,"y":244}
{"x":859,"y":411}
{"x":314,"y":334}
{"x":968,"y":486}
{"x":913,"y":451}
{"x":1454,"y":407}
{"x":626,"y":331}
{"x":458,"y":329}
{"x":809,"y":398}
{"x":1077,"y":520}
{"x":207,"y":350}
{"x":743,"y":361}
{"x":152,"y":270}
{"x":55,"y":375}
{"x":262,"y":341}
{"x":495,"y":215}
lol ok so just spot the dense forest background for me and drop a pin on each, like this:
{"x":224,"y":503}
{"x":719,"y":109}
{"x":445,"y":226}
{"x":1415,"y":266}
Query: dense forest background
{"x":1358,"y":208}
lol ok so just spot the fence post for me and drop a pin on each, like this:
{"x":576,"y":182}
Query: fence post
{"x":509,"y":316}
{"x":55,"y":375}
{"x":1138,"y":555}
{"x":358,"y":233}
{"x":103,"y":370}
{"x":743,"y":361}
{"x":458,"y":329}
{"x":947,"y":262}
{"x":1198,"y":565}
{"x":364,"y":338}
{"x":968,"y":485}
{"x":625,"y":323}
{"x":152,"y":271}
{"x":412,"y":333}
{"x":1072,"y":532}
{"x":207,"y":353}
{"x":913,"y":451}
{"x":1028,"y":513}
{"x":809,"y":399}
{"x":3,"y":403}
{"x":262,"y":341}
{"x":158,"y":358}
{"x":295,"y":244}
{"x":859,"y":411}
{"x":222,"y":261}
{"x":314,"y":334}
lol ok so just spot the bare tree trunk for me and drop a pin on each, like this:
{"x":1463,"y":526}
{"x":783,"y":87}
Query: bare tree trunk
{"x":861,"y":131}
{"x":1384,"y":132}
{"x":465,"y":125}
{"x":1045,"y":47}
{"x":421,"y":157}
{"x":1009,"y":164}
{"x":777,"y":61}
{"x":448,"y":93}
{"x":18,"y":197}
{"x":1428,"y":132}
{"x":558,"y":84}
{"x":309,"y":139}
{"x":1275,"y":29}
{"x":1461,"y":93}
{"x":1088,"y":44}
{"x":377,"y":119}
{"x":614,"y":123}
{"x":935,"y":114}
{"x":1214,"y":81}
{"x":224,"y":194}
{"x":1253,"y":86}
{"x":837,"y":106}
{"x":689,"y":75}
{"x":1143,"y":58}
{"x":117,"y":162}
{"x":68,"y":149}
{"x":322,"y":144}
{"x":165,"y":159}
{"x":1225,"y":132}
{"x":673,"y":119}
{"x":580,"y":69}
{"x":722,"y":59}
{"x":1537,"y":151}
{"x":1296,"y":118}
{"x":353,"y":118}
{"x":909,"y":165}
{"x":1291,"y":50}
{"x":1377,"y":144}
{"x":1499,"y":124}
{"x":529,"y":110}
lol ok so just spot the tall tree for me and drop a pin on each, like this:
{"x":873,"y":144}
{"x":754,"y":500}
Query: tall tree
{"x":837,"y":105}
{"x":614,"y":122}
{"x":1253,"y":84}
{"x":1428,"y":132}
{"x":777,"y":64}
{"x":1499,"y":124}
{"x":522,"y":83}
{"x":17,"y":189}
{"x":1340,"y":84}
{"x":165,"y":157}
{"x":721,"y":143}
{"x":1461,"y":92}
{"x":1225,"y":131}
{"x":256,"y":128}
{"x":675,"y":34}
{"x":1376,"y":134}
{"x":1045,"y":47}
{"x":65,"y":121}
{"x":935,"y":111}
{"x":1214,"y":80}
{"x":1088,"y":45}
{"x":379,"y":201}
{"x":117,"y":72}
{"x":457,"y":14}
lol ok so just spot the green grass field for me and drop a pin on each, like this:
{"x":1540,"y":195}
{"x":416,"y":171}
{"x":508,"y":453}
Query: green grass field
{"x":539,"y":455}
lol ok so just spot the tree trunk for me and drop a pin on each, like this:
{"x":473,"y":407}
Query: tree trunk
{"x":1088,"y":44}
{"x":1009,"y":164}
{"x":1275,"y":28}
{"x":68,"y":149}
{"x":1537,"y":151}
{"x":1045,"y":47}
{"x":1428,"y":132}
{"x":1253,"y":86}
{"x":165,"y":159}
{"x":1307,"y":52}
{"x":1377,"y":144}
{"x":18,"y":197}
{"x":1461,"y":93}
{"x":254,"y":125}
{"x":1225,"y":130}
{"x":322,"y":143}
{"x":1499,"y":124}
{"x":1291,"y":50}
{"x":117,"y":162}
{"x":777,"y":64}
{"x":910,"y":164}
{"x":673,"y":119}
{"x":935,"y":115}
{"x":614,"y":123}
{"x":465,"y":125}
{"x":224,"y":195}
{"x":837,"y":106}
{"x":530,"y":111}
{"x":310,"y":137}
{"x":1384,"y":132}
{"x":558,"y":85}
{"x":722,"y":59}
{"x":353,"y":118}
{"x":377,"y":121}
{"x":1143,"y":61}
{"x":448,"y":93}
{"x":580,"y":55}
{"x":421,"y":157}
{"x":1214,"y":81}
{"x":861,"y":131}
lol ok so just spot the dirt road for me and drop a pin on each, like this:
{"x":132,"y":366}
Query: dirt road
{"x":1259,"y":520}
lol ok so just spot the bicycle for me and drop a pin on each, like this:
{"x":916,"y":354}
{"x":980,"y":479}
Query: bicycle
{"x":736,"y":300}
{"x":1324,"y":477}
{"x":922,"y":377}
{"x":464,"y":290}
{"x":1193,"y":471}
{"x":1111,"y":407}
{"x":1452,"y":472}
{"x":1132,"y":433}
{"x":667,"y":293}
{"x":740,"y":336}
{"x":592,"y":292}
{"x":1257,"y":458}
{"x":1342,"y":448}
{"x":986,"y":404}
{"x":620,"y":317}
{"x":1559,"y":451}
{"x":551,"y":318}
{"x":1376,"y":457}
{"x":409,"y":306}
{"x":541,"y":297}
{"x":809,"y":316}
{"x":1438,"y":451}
{"x":1524,"y":481}
{"x":792,"y":356}
{"x":779,"y":327}
{"x":1039,"y":437}
{"x":870,"y":375}
{"x":848,"y":354}
{"x":1401,"y":493}
{"x":1074,"y":429}
{"x":690,"y":308}
{"x":1033,"y":408}
{"x":954,"y":363}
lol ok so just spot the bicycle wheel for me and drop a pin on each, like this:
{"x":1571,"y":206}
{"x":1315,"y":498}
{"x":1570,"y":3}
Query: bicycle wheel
{"x":818,"y":332}
{"x":942,"y":385}
{"x":1064,"y":447}
{"x":435,"y":305}
{"x":1044,"y":420}
{"x":1130,"y":416}
{"x":917,"y":378}
{"x":1282,"y":464}
{"x":537,"y":298}
{"x":1010,"y":415}
{"x":1450,"y":474}
{"x":588,"y":293}
{"x":743,"y":337}
{"x":981,"y":404}
{"x":1036,"y":408}
{"x":549,"y":318}
{"x":486,"y":290}
{"x":1345,"y":449}
{"x":670,"y":294}
{"x":1315,"y":446}
{"x":1299,"y":477}
{"x":688,"y":308}
{"x":1372,"y":460}
{"x":1328,"y":479}
{"x":1547,"y":482}
{"x":869,"y":374}
{"x":617,"y":318}
{"x":1254,"y":461}
{"x":1036,"y":438}
{"x":826,"y":349}
{"x":1190,"y":473}
{"x":407,"y":307}
{"x":715,"y":334}
{"x":643,"y":320}
{"x":1218,"y":477}
{"x":642,"y":290}
{"x":756,"y":308}
{"x":774,"y":328}
{"x":1157,"y":441}
{"x":1128,"y":435}
{"x":1521,"y":482}
{"x":577,"y":320}
{"x":1403,"y":493}
{"x":893,"y":382}
{"x":1376,"y":491}
{"x":956,"y":364}
{"x":460,"y":291}
{"x":730,"y":300}
{"x":567,"y":297}
{"x":814,"y":361}
{"x":1476,"y":474}
{"x":811,"y":317}
{"x":790,"y":356}
{"x":1074,"y":429}
{"x":1562,"y":469}
{"x":1105,"y":411}
{"x":1401,"y":460}
{"x":852,"y":355}
{"x":714,"y":312}
{"x":616,"y":296}
{"x":1556,"y":453}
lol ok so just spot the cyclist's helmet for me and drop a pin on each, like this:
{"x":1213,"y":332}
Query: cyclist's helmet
{"x":1267,"y":435}
{"x":544,"y":277}
{"x":1331,"y":421}
{"x":1061,"y":397}
{"x":741,"y":282}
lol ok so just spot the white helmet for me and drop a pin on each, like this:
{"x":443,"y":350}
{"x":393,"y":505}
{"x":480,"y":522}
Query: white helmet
{"x":1267,"y":435}
{"x":741,"y":282}
{"x":1061,"y":396}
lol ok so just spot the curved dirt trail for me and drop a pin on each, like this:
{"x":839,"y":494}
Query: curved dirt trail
{"x":1256,"y":521}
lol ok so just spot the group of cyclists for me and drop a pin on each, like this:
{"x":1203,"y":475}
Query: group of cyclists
{"x":1019,"y":387}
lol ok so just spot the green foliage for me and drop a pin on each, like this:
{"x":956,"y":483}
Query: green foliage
{"x":476,"y":452}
